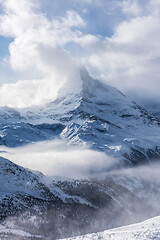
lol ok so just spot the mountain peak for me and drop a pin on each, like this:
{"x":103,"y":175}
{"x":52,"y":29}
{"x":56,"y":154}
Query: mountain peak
{"x":83,"y":73}
{"x":83,"y":86}
{"x":90,"y":84}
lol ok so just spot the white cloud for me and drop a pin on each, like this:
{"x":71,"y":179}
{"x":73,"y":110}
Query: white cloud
{"x":38,"y":48}
{"x":56,"y":158}
{"x":129,"y":59}
{"x":154,"y":7}
{"x":33,"y":31}
{"x":72,"y":20}
{"x":28,"y":93}
{"x":130,"y":7}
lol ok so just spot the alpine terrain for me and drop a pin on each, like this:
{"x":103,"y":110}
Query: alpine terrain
{"x":97,"y":115}
{"x":35,"y":206}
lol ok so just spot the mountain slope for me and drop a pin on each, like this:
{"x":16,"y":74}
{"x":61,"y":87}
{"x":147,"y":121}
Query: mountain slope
{"x":40,"y":205}
{"x":154,"y":108}
{"x":20,"y":133}
{"x":21,"y":183}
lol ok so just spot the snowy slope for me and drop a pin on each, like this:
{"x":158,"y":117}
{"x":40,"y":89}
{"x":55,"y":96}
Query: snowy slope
{"x":19,"y":182}
{"x":154,"y":108}
{"x":20,"y":133}
{"x":147,"y":230}
{"x":41,"y":205}
{"x":16,"y":234}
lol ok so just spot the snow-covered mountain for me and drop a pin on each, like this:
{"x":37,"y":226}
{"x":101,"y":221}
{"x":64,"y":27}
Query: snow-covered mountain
{"x":102,"y":118}
{"x":96,"y":115}
{"x":148,"y":230}
{"x":24,"y":184}
{"x":52,"y":207}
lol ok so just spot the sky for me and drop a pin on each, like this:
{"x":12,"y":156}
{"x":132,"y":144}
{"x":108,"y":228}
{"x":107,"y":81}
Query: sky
{"x":43,"y":44}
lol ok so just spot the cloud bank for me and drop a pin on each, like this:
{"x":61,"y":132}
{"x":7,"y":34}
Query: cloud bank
{"x":48,"y":49}
{"x":38,"y":48}
{"x":56,"y":158}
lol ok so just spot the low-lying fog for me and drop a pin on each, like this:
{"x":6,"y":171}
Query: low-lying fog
{"x":56,"y":158}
